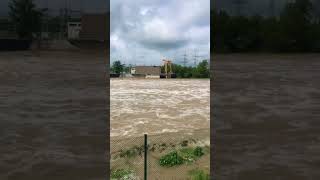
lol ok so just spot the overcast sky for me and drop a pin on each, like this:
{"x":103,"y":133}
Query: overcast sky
{"x":146,"y":31}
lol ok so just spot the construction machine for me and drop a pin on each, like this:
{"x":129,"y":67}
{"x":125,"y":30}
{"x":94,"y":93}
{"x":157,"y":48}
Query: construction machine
{"x":167,"y":67}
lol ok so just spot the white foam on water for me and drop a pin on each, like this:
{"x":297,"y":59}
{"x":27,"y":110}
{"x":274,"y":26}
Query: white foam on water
{"x":158,"y":106}
{"x":168,"y":130}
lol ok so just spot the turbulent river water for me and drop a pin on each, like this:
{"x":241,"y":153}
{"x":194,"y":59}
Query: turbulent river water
{"x":156,"y":106}
{"x":52,"y":115}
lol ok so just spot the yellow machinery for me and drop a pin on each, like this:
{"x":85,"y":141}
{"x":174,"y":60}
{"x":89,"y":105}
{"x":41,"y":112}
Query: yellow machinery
{"x":167,"y":67}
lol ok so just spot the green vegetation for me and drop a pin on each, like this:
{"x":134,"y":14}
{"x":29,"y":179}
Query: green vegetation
{"x":197,"y":174}
{"x":198,"y":151}
{"x":185,"y":155}
{"x":190,"y":155}
{"x":117,"y":67}
{"x":171,"y":159}
{"x":26,"y":17}
{"x":296,"y":29}
{"x":122,"y":174}
{"x":202,"y":70}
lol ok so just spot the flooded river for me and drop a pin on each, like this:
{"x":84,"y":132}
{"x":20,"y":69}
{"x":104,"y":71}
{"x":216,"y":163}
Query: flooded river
{"x":266,"y":116}
{"x":52,"y":115}
{"x":156,"y":106}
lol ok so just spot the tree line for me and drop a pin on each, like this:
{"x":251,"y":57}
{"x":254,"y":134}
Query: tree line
{"x":202,"y":70}
{"x":296,"y":29}
{"x":27,"y":18}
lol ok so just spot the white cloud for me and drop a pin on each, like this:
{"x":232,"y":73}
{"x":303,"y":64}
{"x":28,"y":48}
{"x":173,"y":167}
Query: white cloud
{"x":155,"y":28}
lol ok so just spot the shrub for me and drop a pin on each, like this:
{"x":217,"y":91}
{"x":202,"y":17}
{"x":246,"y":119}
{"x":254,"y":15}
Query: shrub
{"x":123,"y":174}
{"x":171,"y":159}
{"x":188,"y":154}
{"x":198,"y":151}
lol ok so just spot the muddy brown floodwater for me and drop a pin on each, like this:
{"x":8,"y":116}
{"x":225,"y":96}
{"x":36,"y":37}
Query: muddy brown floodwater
{"x":52,"y":115}
{"x":266,"y":116}
{"x":156,"y":106}
{"x":170,"y":111}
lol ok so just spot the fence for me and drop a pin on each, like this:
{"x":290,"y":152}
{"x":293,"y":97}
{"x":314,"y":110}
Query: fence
{"x":161,"y":157}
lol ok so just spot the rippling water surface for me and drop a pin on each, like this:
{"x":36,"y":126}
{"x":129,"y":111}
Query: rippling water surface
{"x":158,"y":105}
{"x":52,"y":115}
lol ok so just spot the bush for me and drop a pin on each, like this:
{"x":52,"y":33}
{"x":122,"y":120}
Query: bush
{"x":171,"y":159}
{"x":198,"y":151}
{"x":187,"y":155}
{"x":122,"y":174}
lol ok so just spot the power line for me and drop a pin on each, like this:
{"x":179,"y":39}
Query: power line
{"x":272,"y":7}
{"x":195,"y":57}
{"x":185,"y":58}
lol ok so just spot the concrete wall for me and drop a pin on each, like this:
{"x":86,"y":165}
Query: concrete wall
{"x":94,"y":27}
{"x":151,"y":70}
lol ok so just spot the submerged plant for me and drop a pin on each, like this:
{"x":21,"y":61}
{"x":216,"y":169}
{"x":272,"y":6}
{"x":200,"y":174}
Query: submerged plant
{"x":128,"y":153}
{"x":132,"y":152}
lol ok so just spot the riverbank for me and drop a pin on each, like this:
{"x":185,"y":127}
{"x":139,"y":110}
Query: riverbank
{"x":127,"y":153}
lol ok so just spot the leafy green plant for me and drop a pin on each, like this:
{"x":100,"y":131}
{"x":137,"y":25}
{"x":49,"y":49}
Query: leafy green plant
{"x":171,"y":159}
{"x":198,"y":151}
{"x":197,"y":174}
{"x":122,"y":174}
{"x":188,"y":155}
{"x":191,"y":154}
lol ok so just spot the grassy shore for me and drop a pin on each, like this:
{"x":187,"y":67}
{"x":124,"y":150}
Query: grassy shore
{"x":192,"y":147}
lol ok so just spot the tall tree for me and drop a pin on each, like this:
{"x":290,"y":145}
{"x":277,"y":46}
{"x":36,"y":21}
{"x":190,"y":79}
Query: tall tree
{"x":296,"y":22}
{"x":117,"y":67}
{"x":203,"y":69}
{"x":26,"y":17}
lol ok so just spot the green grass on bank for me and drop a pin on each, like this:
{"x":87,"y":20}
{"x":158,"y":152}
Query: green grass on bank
{"x":122,"y":174}
{"x":198,"y":174}
{"x":185,"y":155}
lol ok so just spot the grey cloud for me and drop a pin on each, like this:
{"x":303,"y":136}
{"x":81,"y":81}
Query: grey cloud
{"x":155,"y":27}
{"x":163,"y":44}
